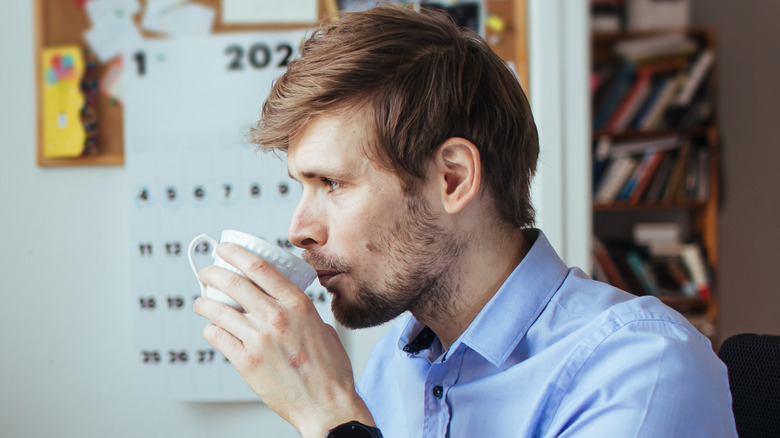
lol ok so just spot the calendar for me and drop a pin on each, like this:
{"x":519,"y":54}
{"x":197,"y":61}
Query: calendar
{"x":188,"y":105}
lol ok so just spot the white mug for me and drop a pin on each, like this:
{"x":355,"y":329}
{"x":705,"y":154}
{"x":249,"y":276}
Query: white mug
{"x":284,"y":261}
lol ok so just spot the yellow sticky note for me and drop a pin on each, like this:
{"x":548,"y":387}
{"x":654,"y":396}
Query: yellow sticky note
{"x":63,"y":132}
{"x":495,"y":23}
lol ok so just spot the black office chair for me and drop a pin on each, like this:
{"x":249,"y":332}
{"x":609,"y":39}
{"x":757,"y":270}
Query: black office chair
{"x":753,"y":363}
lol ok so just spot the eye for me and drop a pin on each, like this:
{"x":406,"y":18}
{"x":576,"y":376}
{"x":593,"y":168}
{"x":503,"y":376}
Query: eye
{"x":332,"y":185}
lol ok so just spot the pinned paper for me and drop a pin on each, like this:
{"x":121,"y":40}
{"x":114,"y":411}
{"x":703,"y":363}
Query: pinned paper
{"x":105,"y":12}
{"x":63,"y":133}
{"x":263,"y":11}
{"x":113,"y":30}
{"x":178,"y":18}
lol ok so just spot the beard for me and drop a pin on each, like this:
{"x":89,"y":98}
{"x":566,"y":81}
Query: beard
{"x":420,"y":261}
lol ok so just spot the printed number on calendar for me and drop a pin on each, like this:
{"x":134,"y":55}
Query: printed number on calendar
{"x":258,"y":56}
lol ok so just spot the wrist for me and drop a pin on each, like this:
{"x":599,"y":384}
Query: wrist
{"x":354,"y":429}
{"x":338,"y":413}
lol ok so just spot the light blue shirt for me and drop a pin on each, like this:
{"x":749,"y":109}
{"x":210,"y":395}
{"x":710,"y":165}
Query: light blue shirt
{"x":553,"y":354}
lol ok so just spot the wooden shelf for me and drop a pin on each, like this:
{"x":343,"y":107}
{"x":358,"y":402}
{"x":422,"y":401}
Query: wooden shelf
{"x":612,"y":37}
{"x":686,"y":303}
{"x":697,"y":219}
{"x":699,"y":131}
{"x":625,"y":206}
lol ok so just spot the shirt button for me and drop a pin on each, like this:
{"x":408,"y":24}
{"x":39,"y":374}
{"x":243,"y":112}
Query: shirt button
{"x":438,"y":391}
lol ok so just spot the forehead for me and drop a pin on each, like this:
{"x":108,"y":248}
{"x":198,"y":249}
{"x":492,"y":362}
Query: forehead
{"x":329,"y":142}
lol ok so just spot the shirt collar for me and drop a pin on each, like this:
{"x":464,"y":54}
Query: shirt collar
{"x":506,"y":318}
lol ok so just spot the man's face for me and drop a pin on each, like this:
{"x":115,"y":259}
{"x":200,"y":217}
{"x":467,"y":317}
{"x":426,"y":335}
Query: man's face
{"x":376,"y":250}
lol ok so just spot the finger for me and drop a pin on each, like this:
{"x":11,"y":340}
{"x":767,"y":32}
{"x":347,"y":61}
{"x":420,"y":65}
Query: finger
{"x":224,"y":316}
{"x":241,"y":290}
{"x":223,"y":341}
{"x":260,"y":271}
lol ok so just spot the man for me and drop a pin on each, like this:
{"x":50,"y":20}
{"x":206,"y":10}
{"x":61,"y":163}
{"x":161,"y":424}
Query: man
{"x":415,"y":147}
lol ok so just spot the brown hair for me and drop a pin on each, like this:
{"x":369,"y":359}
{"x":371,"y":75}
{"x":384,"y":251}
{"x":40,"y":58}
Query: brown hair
{"x":421,"y":80}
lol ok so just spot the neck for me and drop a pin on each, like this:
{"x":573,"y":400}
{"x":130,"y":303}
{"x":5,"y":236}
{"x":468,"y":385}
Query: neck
{"x":486,"y":263}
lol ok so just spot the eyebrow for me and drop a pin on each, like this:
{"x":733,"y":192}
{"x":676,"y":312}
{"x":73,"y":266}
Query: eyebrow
{"x":317,"y":172}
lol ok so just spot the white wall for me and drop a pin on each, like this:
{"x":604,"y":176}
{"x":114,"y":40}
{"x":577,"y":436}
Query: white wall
{"x":559,"y":71}
{"x":67,"y":359}
{"x":66,"y":365}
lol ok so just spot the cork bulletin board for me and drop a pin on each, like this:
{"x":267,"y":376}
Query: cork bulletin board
{"x":64,"y":22}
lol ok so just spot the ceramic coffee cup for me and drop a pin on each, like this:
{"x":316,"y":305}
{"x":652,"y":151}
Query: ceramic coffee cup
{"x":284,"y":261}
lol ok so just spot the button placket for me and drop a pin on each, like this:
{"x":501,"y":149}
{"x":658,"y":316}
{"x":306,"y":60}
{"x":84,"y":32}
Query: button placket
{"x":436,"y":411}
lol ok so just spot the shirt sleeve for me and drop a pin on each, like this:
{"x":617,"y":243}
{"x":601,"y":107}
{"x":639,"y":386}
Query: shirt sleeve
{"x":647,"y":378}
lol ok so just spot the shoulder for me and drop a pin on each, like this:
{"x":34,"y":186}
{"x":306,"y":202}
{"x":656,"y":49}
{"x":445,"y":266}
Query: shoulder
{"x":646,"y":363}
{"x":616,"y":330}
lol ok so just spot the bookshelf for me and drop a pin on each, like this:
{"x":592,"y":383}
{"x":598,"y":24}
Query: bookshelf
{"x":655,"y":166}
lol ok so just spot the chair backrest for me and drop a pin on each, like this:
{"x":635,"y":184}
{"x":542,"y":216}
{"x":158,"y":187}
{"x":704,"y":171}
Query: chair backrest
{"x":753,"y":363}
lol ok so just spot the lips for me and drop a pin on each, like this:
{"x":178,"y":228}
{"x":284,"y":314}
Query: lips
{"x":326,"y":276}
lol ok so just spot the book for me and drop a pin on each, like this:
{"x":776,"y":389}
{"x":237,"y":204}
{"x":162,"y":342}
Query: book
{"x":690,"y":189}
{"x":614,"y":178}
{"x":612,"y":99}
{"x":698,"y":72}
{"x":665,"y":97}
{"x":654,"y":160}
{"x":619,"y":251}
{"x":631,"y":102}
{"x":607,"y":77}
{"x":632,"y":147}
{"x":677,"y":176}
{"x":611,"y":272}
{"x":673,"y":277}
{"x":656,"y":233}
{"x":691,"y":256}
{"x":656,"y":87}
{"x":681,"y":276}
{"x":636,"y":175}
{"x":703,"y":193}
{"x":660,"y":179}
{"x":652,"y":47}
{"x":643,"y":273}
{"x":601,"y":158}
{"x":654,"y":14}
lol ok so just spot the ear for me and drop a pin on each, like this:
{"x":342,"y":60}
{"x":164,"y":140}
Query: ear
{"x":459,"y":173}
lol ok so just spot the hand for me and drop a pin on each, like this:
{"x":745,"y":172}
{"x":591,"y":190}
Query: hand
{"x":281,"y":347}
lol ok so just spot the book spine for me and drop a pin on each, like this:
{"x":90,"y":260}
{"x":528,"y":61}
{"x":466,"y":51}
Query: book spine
{"x":645,"y":178}
{"x":619,"y":88}
{"x":698,"y":73}
{"x":614,"y":180}
{"x":691,"y":255}
{"x":667,"y":95}
{"x":630,"y":103}
{"x":678,"y":174}
{"x":611,"y":270}
{"x":643,"y":273}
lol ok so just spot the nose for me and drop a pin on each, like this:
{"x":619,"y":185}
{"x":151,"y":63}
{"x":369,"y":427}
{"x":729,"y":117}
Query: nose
{"x":307,"y":227}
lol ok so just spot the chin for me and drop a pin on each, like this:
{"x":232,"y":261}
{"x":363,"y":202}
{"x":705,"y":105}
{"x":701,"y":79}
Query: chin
{"x":363,"y":312}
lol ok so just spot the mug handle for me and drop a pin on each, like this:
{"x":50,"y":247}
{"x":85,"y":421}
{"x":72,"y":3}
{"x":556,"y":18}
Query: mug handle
{"x":191,"y":253}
